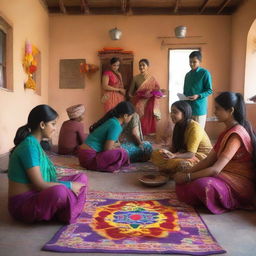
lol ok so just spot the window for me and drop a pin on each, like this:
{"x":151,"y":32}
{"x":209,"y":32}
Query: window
{"x":2,"y":59}
{"x":5,"y":55}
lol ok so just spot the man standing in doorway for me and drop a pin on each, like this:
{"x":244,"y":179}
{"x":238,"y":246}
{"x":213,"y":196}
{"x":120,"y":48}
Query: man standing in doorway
{"x":197,"y":87}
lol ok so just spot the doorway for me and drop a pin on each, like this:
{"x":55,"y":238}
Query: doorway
{"x":178,"y":67}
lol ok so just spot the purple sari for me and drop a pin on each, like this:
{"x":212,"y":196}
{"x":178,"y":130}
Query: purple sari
{"x":54,"y":203}
{"x":106,"y":161}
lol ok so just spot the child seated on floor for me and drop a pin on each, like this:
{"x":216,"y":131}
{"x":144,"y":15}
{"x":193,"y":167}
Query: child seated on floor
{"x":100,"y":152}
{"x":35,"y":193}
{"x":225,"y":179}
{"x":190,"y":143}
{"x":72,"y":131}
{"x":131,"y":140}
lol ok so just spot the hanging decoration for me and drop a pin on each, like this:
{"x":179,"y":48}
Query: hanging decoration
{"x":88,"y":68}
{"x":180,"y":31}
{"x":30,"y":64}
{"x":115,"y":34}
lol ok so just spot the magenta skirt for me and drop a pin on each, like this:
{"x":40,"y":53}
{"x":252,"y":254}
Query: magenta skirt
{"x":213,"y":193}
{"x":54,"y":203}
{"x":106,"y":161}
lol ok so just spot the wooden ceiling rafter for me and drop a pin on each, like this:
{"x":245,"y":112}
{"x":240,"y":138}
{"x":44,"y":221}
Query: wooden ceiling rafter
{"x":129,"y":8}
{"x":126,"y":7}
{"x":176,"y":6}
{"x":152,"y":7}
{"x":85,"y":7}
{"x":224,"y":4}
{"x":62,"y":7}
{"x":204,"y":6}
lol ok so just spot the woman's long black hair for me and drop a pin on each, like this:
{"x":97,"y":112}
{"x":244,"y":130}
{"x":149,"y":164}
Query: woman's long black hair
{"x":40,"y":113}
{"x":228,"y":100}
{"x":124,"y":107}
{"x":178,"y":136}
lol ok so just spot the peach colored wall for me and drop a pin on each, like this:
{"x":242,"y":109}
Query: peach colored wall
{"x":29,"y":21}
{"x":82,"y":36}
{"x":242,"y":21}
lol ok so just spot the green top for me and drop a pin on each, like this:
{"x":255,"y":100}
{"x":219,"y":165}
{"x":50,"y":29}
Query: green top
{"x":28,"y":154}
{"x":110,"y":130}
{"x":199,"y":82}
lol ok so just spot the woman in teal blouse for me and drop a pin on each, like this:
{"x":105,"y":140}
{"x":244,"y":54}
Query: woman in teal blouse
{"x":35,"y":193}
{"x":100,"y":151}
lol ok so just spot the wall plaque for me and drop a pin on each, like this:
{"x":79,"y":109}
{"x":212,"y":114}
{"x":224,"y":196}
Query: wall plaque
{"x":70,"y":75}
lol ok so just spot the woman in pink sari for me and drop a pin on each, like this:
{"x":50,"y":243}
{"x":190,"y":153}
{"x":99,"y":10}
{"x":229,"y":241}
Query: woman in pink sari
{"x":113,"y":87}
{"x":145,"y":92}
{"x":225,"y":180}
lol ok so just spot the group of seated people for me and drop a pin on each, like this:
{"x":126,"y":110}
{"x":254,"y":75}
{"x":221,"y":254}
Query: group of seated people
{"x":221,"y":178}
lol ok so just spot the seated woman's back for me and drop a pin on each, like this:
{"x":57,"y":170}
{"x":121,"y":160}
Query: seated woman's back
{"x":101,"y":152}
{"x":72,"y":131}
{"x":110,"y":130}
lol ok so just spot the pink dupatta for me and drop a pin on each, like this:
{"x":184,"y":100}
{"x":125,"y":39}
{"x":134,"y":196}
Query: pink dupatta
{"x":146,"y":103}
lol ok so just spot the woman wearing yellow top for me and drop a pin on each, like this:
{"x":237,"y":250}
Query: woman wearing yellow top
{"x":190,"y":143}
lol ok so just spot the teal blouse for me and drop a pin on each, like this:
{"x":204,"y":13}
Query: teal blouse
{"x":28,"y":154}
{"x":110,"y":130}
{"x":199,"y":82}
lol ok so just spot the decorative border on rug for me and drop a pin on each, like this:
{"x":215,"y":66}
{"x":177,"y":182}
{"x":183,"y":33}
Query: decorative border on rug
{"x":114,"y":222}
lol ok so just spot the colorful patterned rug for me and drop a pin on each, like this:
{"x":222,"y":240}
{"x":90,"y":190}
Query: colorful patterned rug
{"x":72,"y":162}
{"x":63,"y":171}
{"x":132,"y":222}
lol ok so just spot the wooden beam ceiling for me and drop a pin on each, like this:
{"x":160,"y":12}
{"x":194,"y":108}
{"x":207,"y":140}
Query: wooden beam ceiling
{"x":204,"y":6}
{"x":62,"y":7}
{"x":225,"y":2}
{"x":176,"y":7}
{"x":142,"y":7}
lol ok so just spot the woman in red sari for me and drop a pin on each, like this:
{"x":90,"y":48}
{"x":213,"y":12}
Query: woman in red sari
{"x":113,"y":87}
{"x":225,"y":180}
{"x":145,"y":92}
